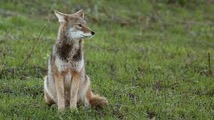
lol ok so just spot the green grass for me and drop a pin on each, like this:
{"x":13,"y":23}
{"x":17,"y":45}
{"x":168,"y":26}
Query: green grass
{"x":149,"y":59}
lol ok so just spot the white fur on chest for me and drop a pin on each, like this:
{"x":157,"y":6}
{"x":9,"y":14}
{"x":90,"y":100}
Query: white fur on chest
{"x":63,"y":65}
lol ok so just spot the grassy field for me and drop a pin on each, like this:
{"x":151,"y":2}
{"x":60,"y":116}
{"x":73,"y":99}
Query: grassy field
{"x":150,"y":59}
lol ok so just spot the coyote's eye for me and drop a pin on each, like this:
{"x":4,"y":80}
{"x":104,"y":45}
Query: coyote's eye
{"x":79,"y":25}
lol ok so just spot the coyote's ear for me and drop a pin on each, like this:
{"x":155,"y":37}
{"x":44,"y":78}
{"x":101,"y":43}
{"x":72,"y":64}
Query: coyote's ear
{"x":80,"y":13}
{"x":60,"y":16}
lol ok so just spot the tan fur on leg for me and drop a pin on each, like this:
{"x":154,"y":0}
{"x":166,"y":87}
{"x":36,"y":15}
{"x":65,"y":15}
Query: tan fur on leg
{"x":59,"y":83}
{"x":74,"y":89}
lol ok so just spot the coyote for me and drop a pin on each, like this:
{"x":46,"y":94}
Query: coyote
{"x":67,"y":83}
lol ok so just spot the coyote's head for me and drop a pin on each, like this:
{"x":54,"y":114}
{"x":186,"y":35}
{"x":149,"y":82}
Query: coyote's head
{"x":74,"y":25}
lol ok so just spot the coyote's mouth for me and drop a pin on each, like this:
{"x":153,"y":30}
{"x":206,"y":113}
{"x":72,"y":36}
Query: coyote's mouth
{"x":87,"y":36}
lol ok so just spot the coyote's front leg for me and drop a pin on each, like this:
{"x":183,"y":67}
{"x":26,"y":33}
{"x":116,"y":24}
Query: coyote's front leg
{"x":74,"y":89}
{"x":59,"y":83}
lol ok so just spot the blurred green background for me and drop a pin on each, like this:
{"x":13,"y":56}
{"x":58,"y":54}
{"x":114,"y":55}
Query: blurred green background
{"x":152,"y":59}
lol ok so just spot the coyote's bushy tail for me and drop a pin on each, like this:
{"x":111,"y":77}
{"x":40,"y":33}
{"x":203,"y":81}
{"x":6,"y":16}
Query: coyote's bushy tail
{"x":96,"y":100}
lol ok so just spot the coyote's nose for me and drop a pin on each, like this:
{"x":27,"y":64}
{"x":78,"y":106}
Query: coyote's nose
{"x":92,"y":32}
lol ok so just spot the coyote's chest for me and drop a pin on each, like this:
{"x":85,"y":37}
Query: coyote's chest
{"x":69,"y":56}
{"x":72,"y":65}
